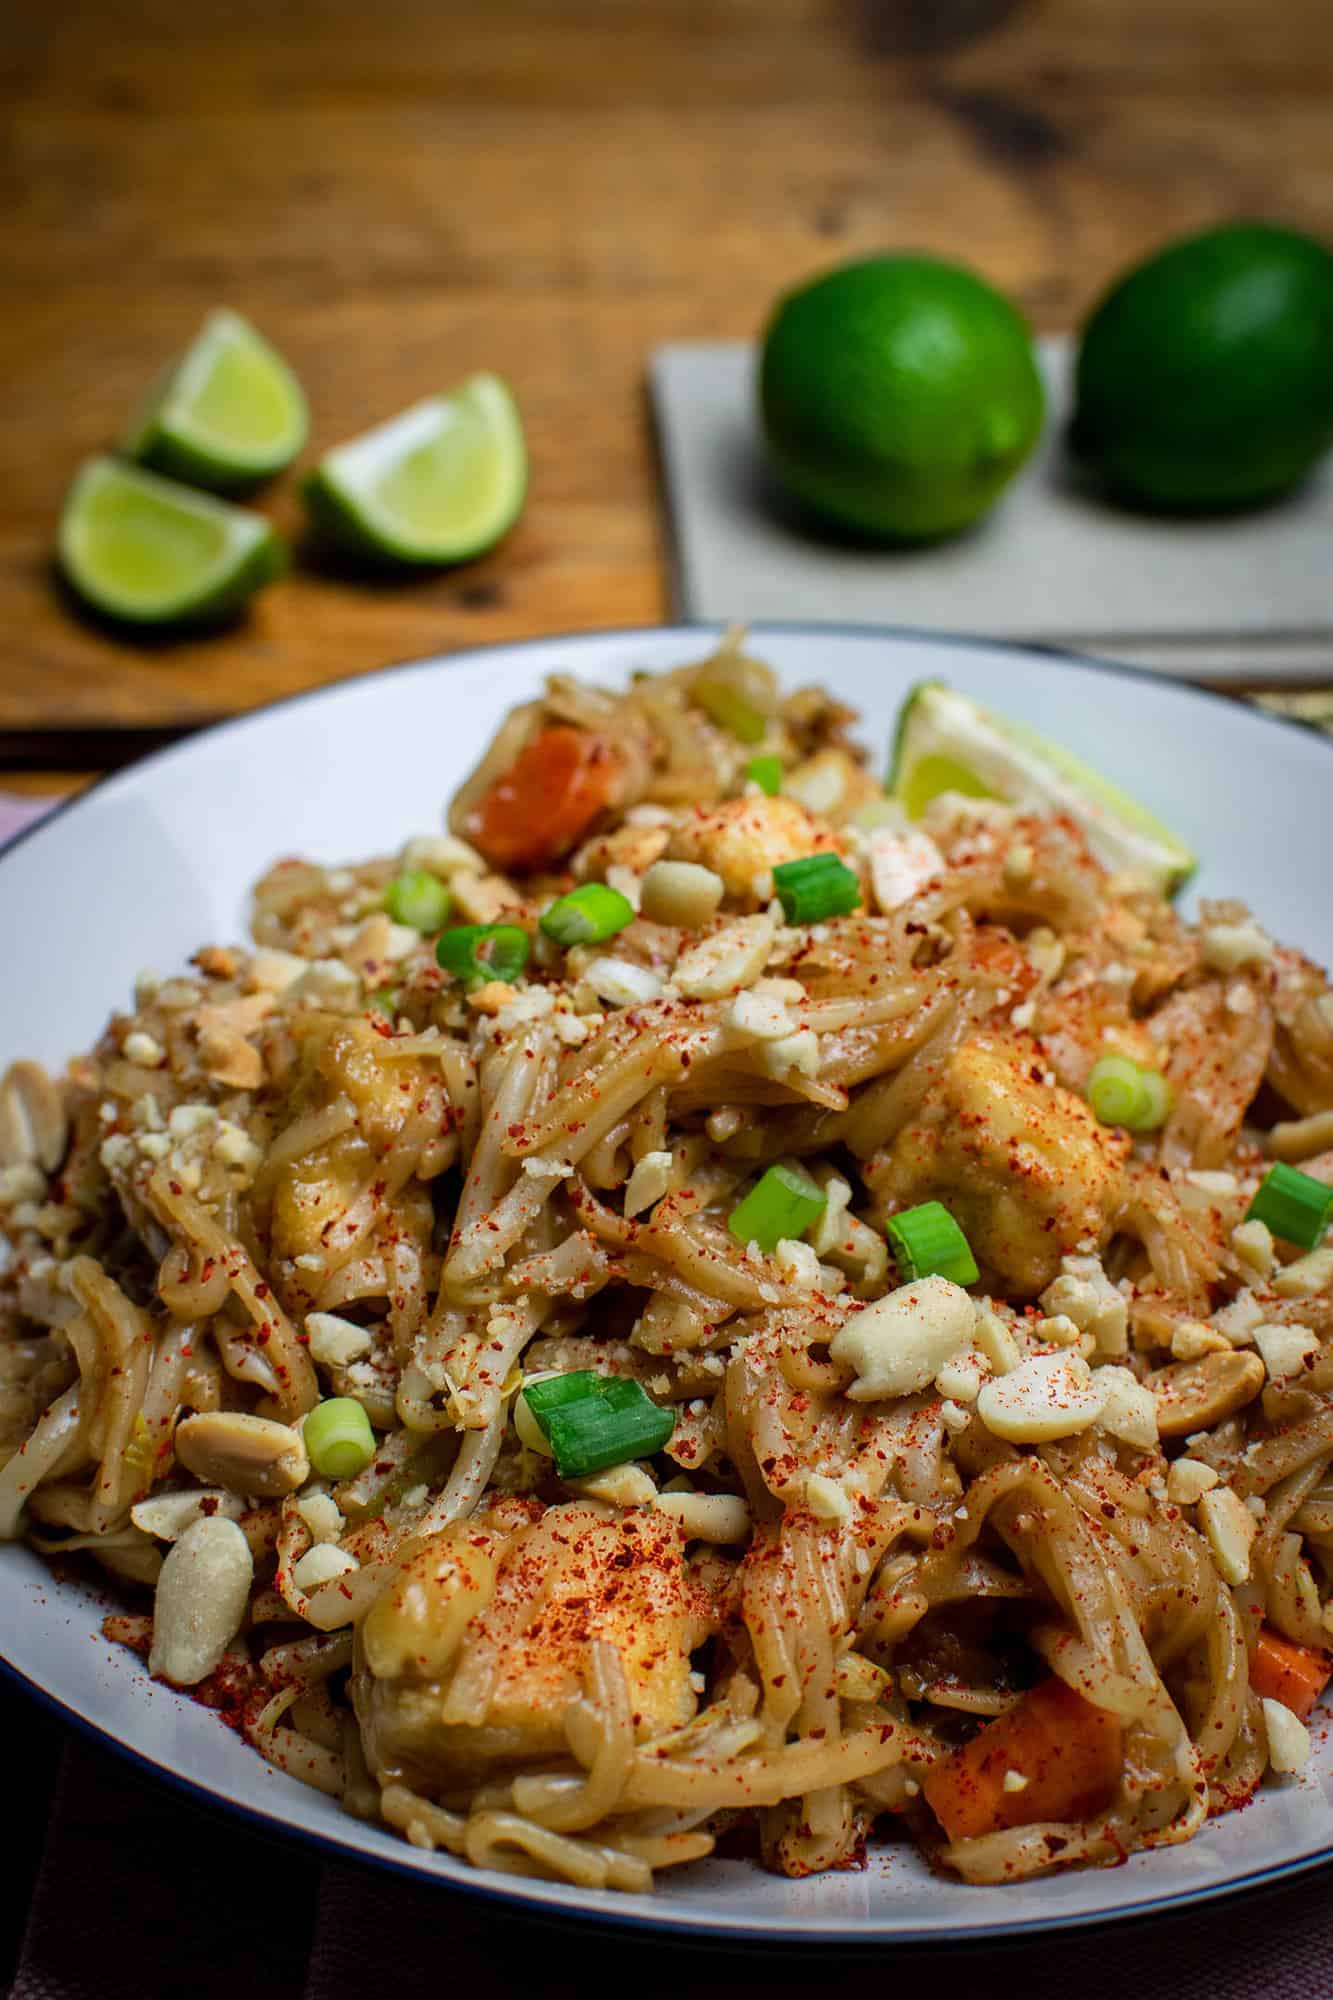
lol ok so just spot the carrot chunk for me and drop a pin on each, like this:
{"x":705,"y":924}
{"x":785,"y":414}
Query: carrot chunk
{"x":1068,"y":1752}
{"x":1282,"y":1671}
{"x":542,"y":806}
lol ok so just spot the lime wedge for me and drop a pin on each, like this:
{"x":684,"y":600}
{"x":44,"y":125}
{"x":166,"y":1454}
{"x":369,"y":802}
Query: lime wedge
{"x":150,"y":552}
{"x":947,"y":742}
{"x":438,"y":484}
{"x":228,"y":413}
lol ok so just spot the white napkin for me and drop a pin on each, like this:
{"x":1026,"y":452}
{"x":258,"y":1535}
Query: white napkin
{"x":1245,"y":597}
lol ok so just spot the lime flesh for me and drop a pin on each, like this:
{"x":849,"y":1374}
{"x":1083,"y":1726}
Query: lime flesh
{"x":947,"y":742}
{"x":440,"y":483}
{"x":229,"y":413}
{"x":147,"y":551}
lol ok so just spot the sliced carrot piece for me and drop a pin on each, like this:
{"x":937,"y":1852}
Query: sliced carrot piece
{"x":1068,"y":1751}
{"x":1280,"y":1670}
{"x":542,"y":806}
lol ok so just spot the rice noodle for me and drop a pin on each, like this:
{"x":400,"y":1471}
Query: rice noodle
{"x":793,"y":1615}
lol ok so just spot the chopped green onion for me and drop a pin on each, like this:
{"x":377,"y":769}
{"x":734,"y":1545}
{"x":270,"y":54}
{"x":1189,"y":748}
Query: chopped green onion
{"x":529,"y":1430}
{"x":1156,"y":1106}
{"x":417,"y":899}
{"x":730,"y":711}
{"x":1295,"y":1206}
{"x":782,"y":1204}
{"x":476,"y":953}
{"x":1114,"y":1089}
{"x":1121,"y":1093}
{"x":927,"y":1242}
{"x":338,"y":1438}
{"x":739,"y":694}
{"x":587,"y":915}
{"x":766,"y":772}
{"x":385,"y":1001}
{"x":592,"y":1421}
{"x":817,"y":886}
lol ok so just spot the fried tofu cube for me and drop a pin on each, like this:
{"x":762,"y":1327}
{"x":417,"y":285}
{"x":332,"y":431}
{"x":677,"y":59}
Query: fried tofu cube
{"x":744,"y":840}
{"x":1021,"y":1162}
{"x":576,"y":1575}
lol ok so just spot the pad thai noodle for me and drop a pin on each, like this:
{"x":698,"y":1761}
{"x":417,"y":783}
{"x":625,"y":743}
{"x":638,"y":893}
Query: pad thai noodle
{"x":691,"y":1309}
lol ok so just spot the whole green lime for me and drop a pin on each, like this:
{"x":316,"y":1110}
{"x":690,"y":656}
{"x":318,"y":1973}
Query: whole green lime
{"x":1205,"y":377}
{"x":899,"y":396}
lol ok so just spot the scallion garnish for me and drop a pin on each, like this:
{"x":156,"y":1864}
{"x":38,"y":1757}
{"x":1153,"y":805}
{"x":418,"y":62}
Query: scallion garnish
{"x":766,"y":772}
{"x":1295,"y":1206}
{"x":338,"y":1438}
{"x":730,"y":711}
{"x":417,"y":899}
{"x":817,"y":886}
{"x":1122,"y":1093}
{"x":1114,"y":1089}
{"x":592,"y":1421}
{"x":477,"y":953}
{"x":782,"y":1204}
{"x":587,"y":915}
{"x":927,"y":1242}
{"x":737,"y":693}
{"x":1155,"y":1106}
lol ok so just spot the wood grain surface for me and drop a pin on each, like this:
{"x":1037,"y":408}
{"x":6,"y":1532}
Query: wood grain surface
{"x":403,"y":193}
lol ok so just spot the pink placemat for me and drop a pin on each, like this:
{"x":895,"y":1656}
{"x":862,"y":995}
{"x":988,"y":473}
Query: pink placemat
{"x":16,"y":813}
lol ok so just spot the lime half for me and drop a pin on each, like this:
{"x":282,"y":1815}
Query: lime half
{"x":150,"y":552}
{"x":438,"y":484}
{"x":948,"y":743}
{"x":228,"y":413}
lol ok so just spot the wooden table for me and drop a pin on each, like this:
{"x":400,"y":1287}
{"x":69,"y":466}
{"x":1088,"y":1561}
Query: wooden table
{"x":401,"y":194}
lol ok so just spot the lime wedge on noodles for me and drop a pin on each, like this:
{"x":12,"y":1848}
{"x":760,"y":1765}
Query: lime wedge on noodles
{"x":228,"y":413}
{"x":150,"y":552}
{"x":437,"y":484}
{"x":946,"y":742}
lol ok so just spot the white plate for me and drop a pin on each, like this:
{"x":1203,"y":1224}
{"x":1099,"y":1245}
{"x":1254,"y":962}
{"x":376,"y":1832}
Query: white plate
{"x":159,"y":859}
